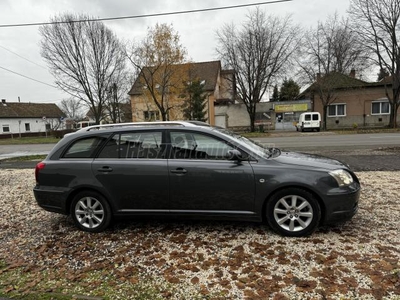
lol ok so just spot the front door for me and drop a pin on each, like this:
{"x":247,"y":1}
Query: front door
{"x":202,"y":180}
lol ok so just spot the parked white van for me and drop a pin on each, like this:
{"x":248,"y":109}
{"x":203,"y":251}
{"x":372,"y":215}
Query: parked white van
{"x":309,"y":120}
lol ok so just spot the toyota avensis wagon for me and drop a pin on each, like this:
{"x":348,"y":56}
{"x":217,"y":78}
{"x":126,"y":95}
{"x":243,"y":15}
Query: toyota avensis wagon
{"x":185,"y":169}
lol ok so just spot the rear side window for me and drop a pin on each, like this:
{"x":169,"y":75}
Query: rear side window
{"x":134,"y":145}
{"x":84,"y":148}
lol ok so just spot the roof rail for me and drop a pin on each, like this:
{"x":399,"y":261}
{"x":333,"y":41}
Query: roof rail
{"x":138,"y":124}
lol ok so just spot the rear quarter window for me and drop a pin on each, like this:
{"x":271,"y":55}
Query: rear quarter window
{"x":84,"y":148}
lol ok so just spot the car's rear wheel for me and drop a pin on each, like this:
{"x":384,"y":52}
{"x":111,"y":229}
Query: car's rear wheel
{"x":293,"y":212}
{"x":90,"y":211}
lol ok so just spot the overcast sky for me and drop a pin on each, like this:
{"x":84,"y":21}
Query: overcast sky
{"x":20,"y":52}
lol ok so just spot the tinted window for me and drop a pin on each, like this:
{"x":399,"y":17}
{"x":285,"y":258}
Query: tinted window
{"x":133,"y":145}
{"x":315,"y":117}
{"x":307,"y":117}
{"x":84,"y":148}
{"x":198,"y":146}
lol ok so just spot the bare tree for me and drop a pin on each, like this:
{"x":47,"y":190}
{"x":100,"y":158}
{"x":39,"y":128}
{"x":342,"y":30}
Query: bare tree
{"x":259,"y":52}
{"x":72,"y":108}
{"x":85,"y":57}
{"x":330,"y":49}
{"x":156,"y":59}
{"x":376,"y":22}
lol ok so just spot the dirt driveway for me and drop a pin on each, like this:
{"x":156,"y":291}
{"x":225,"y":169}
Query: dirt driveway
{"x":42,"y":252}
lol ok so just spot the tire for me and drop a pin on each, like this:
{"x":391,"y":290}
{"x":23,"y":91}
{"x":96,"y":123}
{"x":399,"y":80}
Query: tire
{"x":293,"y":212}
{"x":90,"y":211}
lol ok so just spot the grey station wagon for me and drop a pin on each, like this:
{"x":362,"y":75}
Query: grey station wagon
{"x":187,"y":169}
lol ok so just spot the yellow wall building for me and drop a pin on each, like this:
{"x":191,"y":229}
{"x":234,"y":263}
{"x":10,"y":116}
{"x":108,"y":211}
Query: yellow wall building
{"x":167,"y":85}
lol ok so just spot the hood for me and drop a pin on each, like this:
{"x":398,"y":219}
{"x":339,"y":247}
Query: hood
{"x":309,"y":160}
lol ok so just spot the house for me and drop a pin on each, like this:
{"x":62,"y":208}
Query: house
{"x":218,"y":86}
{"x":269,"y":115}
{"x":354,"y":103}
{"x":26,"y":118}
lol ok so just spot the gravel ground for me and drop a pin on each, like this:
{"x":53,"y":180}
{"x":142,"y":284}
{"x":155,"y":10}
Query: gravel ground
{"x":222,"y":260}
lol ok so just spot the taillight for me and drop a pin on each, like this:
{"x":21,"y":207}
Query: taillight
{"x":39,"y":166}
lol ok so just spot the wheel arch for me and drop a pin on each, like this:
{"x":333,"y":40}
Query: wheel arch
{"x":301,"y":187}
{"x":75,"y":192}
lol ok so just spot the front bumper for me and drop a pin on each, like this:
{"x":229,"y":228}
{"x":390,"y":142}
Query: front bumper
{"x":341,"y":207}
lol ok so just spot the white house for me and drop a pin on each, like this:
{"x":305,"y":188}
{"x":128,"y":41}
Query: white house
{"x":22,"y":118}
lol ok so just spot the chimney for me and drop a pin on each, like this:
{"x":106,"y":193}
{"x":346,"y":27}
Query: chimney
{"x":352,"y":73}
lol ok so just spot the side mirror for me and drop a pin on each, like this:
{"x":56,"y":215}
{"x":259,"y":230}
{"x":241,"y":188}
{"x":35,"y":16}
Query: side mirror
{"x":234,"y":154}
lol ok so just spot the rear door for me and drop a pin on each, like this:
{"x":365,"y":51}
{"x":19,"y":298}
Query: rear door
{"x":132,"y":168}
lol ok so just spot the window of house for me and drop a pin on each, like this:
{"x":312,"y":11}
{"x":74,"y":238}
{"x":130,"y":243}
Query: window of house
{"x":380,"y":108}
{"x":151,"y":115}
{"x":27,"y":127}
{"x":6,"y":128}
{"x":48,"y":126}
{"x":337,"y":110}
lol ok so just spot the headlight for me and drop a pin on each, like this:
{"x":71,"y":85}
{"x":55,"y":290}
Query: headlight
{"x":342,"y":177}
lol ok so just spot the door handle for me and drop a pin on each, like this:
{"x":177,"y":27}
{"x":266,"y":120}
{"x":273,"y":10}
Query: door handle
{"x":105,"y":169}
{"x":179,"y":171}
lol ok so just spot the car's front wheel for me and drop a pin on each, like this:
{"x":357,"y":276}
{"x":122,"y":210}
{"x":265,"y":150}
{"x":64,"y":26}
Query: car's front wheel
{"x":90,"y":211}
{"x":293,"y":212}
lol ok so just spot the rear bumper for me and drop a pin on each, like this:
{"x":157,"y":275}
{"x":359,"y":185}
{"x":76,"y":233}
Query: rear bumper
{"x":341,"y":207}
{"x":51,"y":200}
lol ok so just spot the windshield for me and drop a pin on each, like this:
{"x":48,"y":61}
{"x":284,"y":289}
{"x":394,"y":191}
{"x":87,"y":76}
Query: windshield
{"x":258,"y":148}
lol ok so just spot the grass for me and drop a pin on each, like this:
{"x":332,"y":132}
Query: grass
{"x":45,"y":284}
{"x":26,"y":158}
{"x":29,"y":140}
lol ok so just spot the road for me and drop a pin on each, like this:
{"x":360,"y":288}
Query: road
{"x":291,"y":141}
{"x":311,"y":141}
{"x":8,"y":151}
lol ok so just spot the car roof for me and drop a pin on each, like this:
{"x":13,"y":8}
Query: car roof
{"x":117,"y":127}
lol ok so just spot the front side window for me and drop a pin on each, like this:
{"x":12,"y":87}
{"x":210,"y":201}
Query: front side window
{"x":380,"y":108}
{"x":84,"y":148}
{"x":337,"y":110}
{"x":134,"y":145}
{"x":6,"y":128}
{"x":189,"y":145}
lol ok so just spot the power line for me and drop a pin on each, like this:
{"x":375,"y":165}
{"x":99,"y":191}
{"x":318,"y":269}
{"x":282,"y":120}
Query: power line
{"x":147,"y":15}
{"x":22,"y":57}
{"x":53,"y":86}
